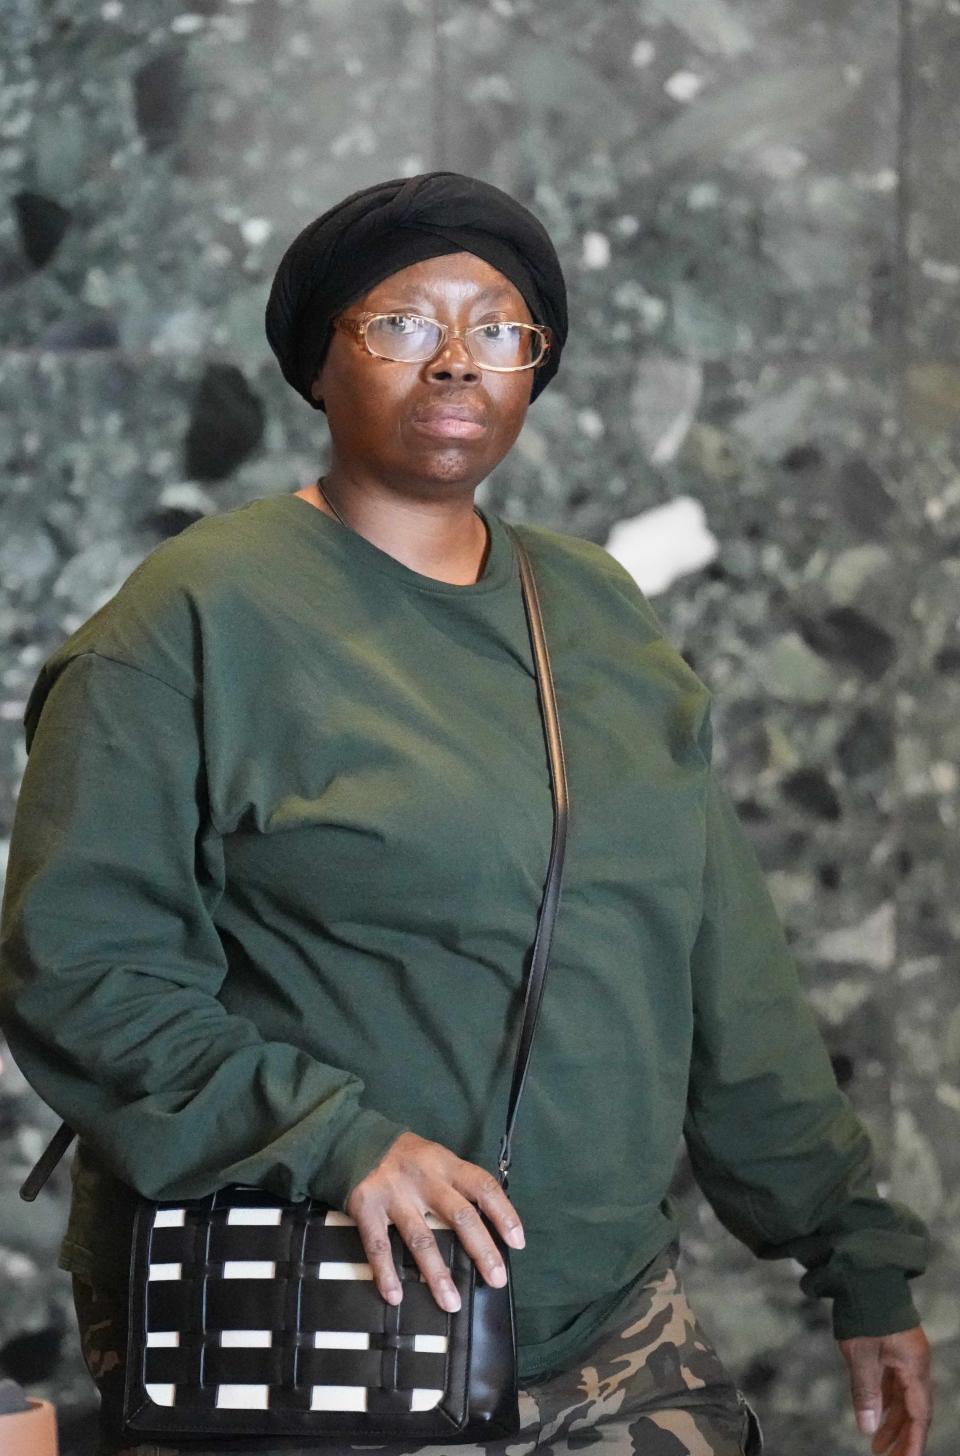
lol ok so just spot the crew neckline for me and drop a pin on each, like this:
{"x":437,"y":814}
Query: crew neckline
{"x":499,"y":570}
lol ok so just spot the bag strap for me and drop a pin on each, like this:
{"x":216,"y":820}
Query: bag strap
{"x":551,"y":894}
{"x":64,"y":1135}
{"x":47,"y":1161}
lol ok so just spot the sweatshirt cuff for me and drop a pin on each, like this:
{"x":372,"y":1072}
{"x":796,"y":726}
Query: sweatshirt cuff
{"x":876,"y":1302}
{"x":354,"y":1154}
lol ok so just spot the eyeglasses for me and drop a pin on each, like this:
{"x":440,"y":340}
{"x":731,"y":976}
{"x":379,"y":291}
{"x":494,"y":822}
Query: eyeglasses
{"x":410,"y":338}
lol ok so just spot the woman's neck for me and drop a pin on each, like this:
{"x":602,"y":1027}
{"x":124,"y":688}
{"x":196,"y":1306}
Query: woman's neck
{"x":459,"y":560}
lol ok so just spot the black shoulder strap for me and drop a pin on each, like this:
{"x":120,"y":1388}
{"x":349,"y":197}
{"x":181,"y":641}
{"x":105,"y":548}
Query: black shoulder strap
{"x":47,"y":1161}
{"x":64,"y":1135}
{"x":561,"y":803}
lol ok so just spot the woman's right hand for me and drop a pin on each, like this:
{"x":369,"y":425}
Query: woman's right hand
{"x":416,"y":1175}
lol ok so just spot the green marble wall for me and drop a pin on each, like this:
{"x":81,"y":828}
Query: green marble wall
{"x":755,"y":206}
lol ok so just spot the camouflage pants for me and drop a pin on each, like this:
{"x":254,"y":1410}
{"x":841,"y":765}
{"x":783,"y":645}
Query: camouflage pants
{"x":650,"y":1383}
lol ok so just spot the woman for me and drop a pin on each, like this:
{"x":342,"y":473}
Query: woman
{"x":281,"y":843}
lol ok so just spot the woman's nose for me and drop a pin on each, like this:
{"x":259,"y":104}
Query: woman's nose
{"x":454,"y":358}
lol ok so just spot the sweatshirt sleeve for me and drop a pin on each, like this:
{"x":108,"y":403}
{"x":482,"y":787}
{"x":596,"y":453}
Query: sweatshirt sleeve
{"x":110,"y":962}
{"x":775,"y":1145}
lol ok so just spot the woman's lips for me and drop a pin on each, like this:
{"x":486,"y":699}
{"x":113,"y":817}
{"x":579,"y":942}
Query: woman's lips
{"x":446,"y":426}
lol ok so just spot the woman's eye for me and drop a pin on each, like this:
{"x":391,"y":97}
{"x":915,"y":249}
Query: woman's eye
{"x":404,"y":323}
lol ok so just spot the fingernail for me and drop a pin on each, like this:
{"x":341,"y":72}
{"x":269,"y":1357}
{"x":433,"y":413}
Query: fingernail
{"x":516,"y":1239}
{"x":868,"y":1421}
{"x":394,"y":1295}
{"x":451,"y":1299}
{"x":498,"y":1275}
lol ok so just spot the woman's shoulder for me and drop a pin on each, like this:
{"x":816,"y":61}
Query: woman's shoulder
{"x":563,"y":544}
{"x":207,"y":550}
{"x":575,"y":564}
{"x":607,"y":606}
{"x":156,"y":617}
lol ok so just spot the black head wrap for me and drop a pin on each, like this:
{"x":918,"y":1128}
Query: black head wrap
{"x":379,"y":230}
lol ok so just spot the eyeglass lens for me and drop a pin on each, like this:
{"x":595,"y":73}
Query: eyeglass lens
{"x":410,"y":339}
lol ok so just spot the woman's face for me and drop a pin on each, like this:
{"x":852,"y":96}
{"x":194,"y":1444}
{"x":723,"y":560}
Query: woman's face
{"x":372,"y":404}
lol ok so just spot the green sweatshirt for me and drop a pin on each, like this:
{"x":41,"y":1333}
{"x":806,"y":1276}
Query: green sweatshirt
{"x":275,"y":871}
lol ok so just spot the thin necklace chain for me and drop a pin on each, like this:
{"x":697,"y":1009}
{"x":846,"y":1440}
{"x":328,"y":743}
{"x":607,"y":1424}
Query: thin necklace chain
{"x":331,"y":504}
{"x":337,"y":513}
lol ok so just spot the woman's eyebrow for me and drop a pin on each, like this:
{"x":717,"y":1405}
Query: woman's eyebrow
{"x":481,"y":297}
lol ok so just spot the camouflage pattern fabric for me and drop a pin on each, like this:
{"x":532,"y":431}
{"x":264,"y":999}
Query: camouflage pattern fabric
{"x":651,"y":1383}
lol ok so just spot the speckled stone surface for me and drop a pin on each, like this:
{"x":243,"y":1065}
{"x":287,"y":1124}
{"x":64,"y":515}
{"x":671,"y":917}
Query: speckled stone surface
{"x":755,"y":207}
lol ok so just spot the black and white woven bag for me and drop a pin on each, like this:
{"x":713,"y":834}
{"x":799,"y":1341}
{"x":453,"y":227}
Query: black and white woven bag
{"x":255,"y":1320}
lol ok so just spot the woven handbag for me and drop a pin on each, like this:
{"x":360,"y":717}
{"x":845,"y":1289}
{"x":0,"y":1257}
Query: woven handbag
{"x":255,"y":1319}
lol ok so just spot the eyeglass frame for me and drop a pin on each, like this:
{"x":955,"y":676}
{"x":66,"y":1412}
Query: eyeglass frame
{"x":357,"y":324}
